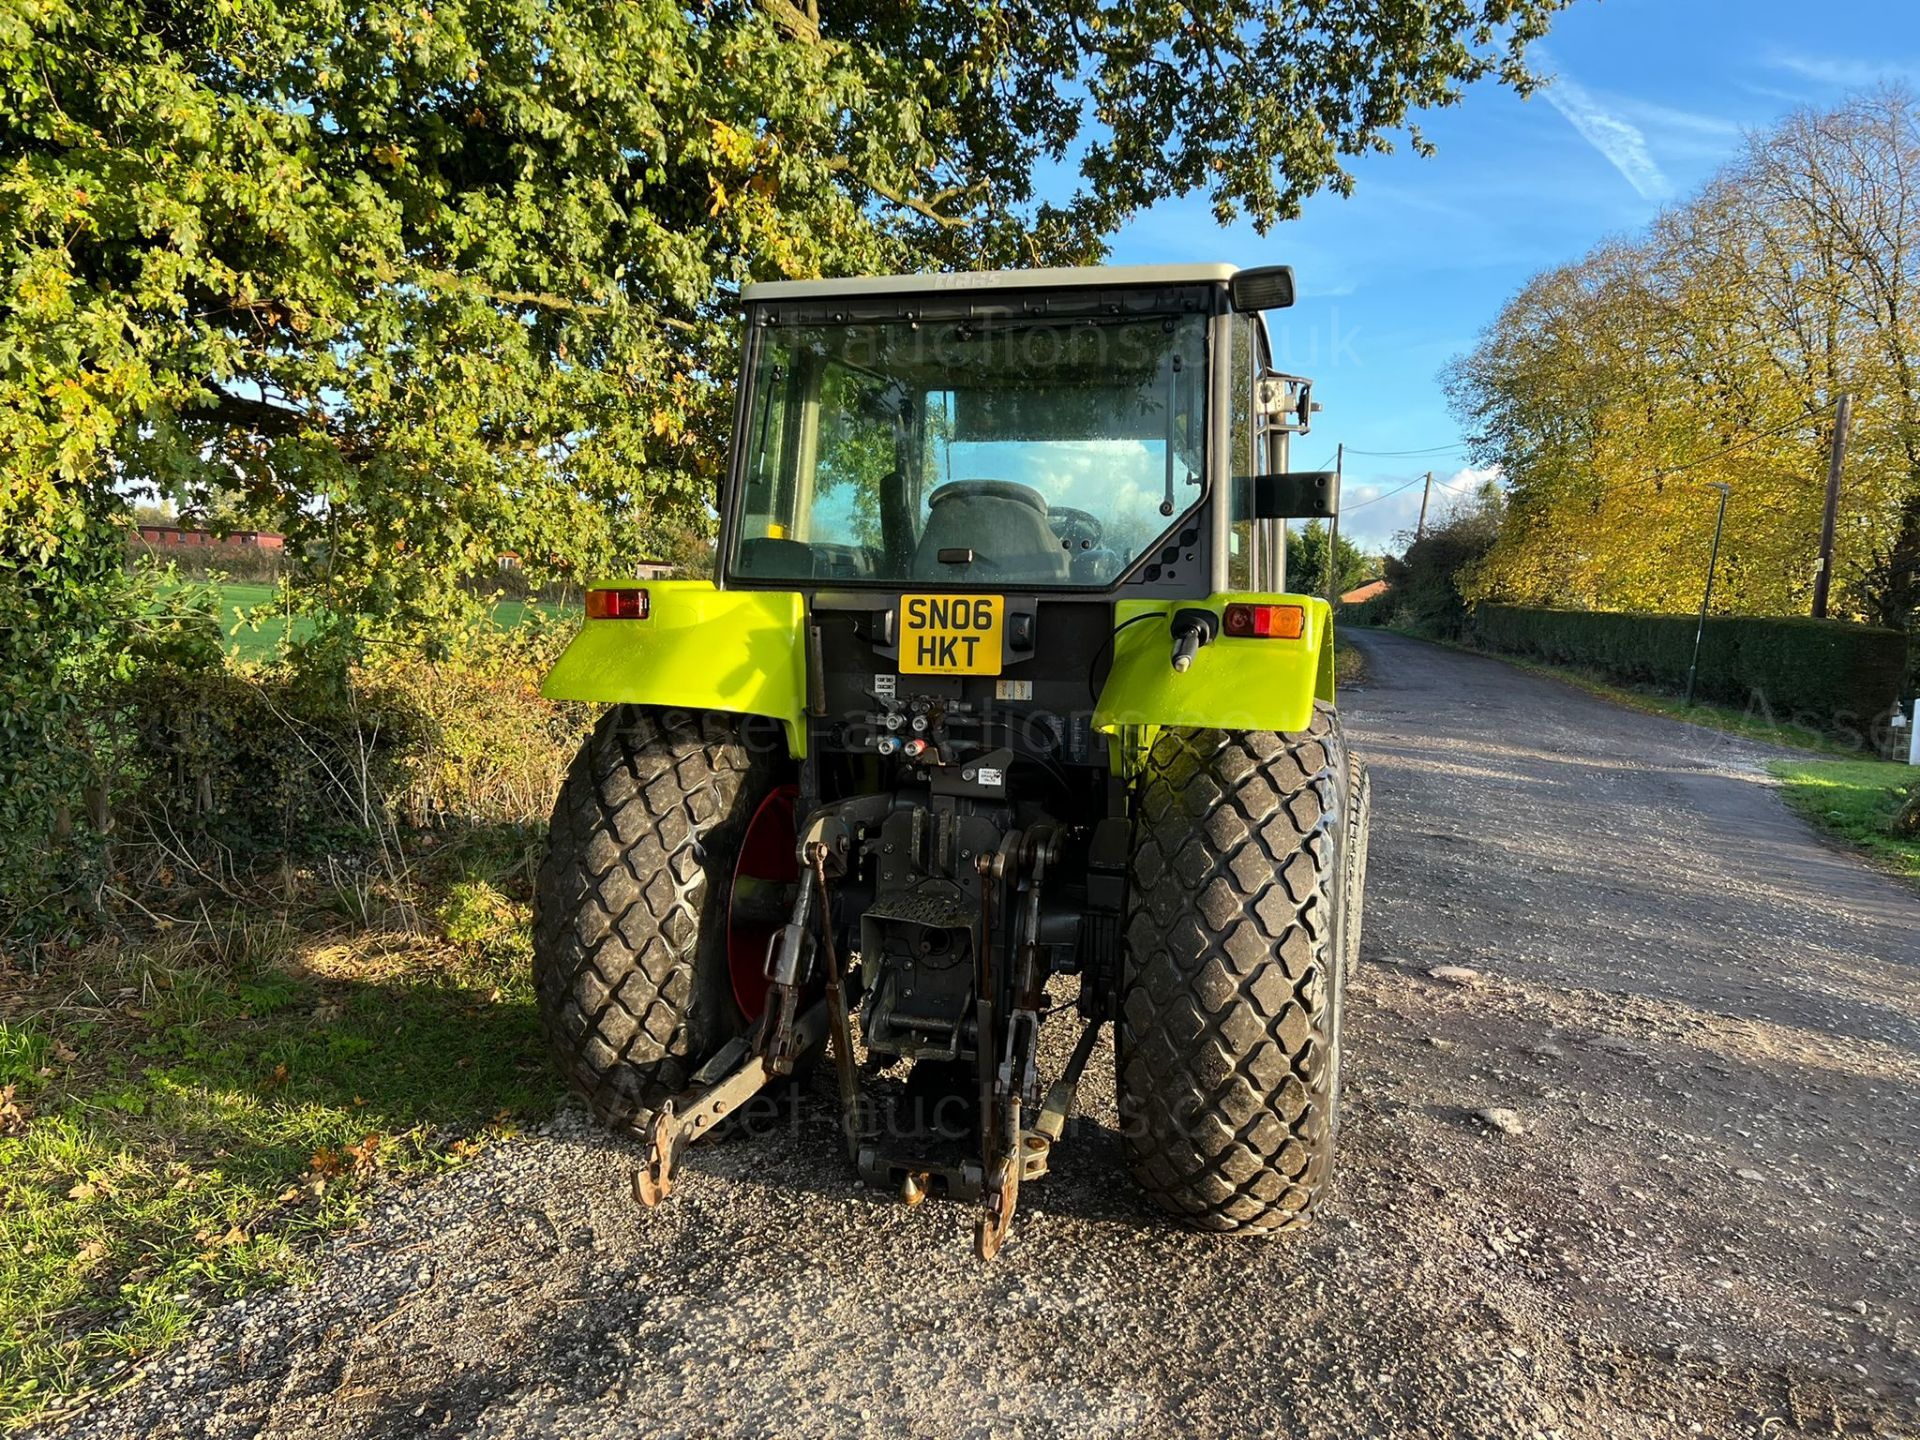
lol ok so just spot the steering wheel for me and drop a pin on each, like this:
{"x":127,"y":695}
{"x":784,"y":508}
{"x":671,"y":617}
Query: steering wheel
{"x":1077,"y":529}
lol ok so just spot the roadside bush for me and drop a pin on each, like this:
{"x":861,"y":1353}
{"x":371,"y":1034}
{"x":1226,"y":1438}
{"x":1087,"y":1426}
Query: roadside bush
{"x":1825,"y":672}
{"x":290,"y":760}
{"x":72,"y":633}
{"x":1426,"y":595}
{"x":1906,"y":820}
{"x":1382,"y":609}
{"x":146,"y":761}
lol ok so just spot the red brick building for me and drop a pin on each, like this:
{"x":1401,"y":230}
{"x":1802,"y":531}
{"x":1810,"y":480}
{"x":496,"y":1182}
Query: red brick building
{"x":174,"y":537}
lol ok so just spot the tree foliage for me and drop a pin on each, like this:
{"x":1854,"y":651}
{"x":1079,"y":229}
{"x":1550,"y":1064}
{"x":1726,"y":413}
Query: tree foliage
{"x":1307,"y":561}
{"x":419,"y":283}
{"x":1713,"y":348}
{"x":1429,"y":583}
{"x":425,"y":282}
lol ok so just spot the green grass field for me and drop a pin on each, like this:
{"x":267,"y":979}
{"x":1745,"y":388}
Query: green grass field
{"x":255,"y":631}
{"x":1856,"y":800}
{"x":261,"y":640}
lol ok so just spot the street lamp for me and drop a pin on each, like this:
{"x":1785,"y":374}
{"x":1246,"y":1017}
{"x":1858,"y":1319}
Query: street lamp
{"x":1713,"y":563}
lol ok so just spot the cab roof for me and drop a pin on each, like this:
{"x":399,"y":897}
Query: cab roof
{"x":947,"y":282}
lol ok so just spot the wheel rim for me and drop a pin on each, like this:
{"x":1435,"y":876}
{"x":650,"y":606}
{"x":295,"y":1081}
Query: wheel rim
{"x":763,"y":879}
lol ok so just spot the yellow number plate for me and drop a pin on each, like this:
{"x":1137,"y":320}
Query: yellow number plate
{"x":950,"y":634}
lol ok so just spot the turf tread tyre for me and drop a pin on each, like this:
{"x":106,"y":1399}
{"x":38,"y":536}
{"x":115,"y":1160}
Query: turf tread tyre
{"x":1353,"y":880}
{"x":629,"y":927}
{"x":1232,"y":962}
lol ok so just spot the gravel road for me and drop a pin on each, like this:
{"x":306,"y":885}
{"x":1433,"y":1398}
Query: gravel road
{"x":1695,"y":1209}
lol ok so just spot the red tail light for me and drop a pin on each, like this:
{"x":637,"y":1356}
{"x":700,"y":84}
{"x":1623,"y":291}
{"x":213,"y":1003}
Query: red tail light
{"x":623,"y":604}
{"x":1266,"y":622}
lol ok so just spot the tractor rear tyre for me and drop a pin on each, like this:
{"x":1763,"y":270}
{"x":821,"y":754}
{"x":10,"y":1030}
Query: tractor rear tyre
{"x":630,"y":914}
{"x":1354,"y":875}
{"x":1227,"y":1039}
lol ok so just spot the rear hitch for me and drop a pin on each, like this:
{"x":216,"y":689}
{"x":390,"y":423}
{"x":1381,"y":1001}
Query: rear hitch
{"x":1022,"y":856}
{"x":725,"y":1083}
{"x":749,"y":1063}
{"x":1030,"y":1157}
{"x":840,"y":1023}
{"x":1017,"y":1129}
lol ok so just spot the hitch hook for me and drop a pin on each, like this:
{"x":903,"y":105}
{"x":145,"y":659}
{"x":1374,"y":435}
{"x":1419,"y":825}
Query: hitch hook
{"x":653,"y":1180}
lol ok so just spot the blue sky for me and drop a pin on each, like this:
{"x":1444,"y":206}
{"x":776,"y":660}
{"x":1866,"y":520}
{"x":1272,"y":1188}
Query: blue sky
{"x":1651,"y":98}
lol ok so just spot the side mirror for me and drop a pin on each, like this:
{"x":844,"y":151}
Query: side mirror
{"x":1297,"y":495}
{"x":1269,"y":287}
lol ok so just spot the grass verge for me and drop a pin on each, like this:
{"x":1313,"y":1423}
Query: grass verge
{"x":1855,"y":800}
{"x":179,"y":1115}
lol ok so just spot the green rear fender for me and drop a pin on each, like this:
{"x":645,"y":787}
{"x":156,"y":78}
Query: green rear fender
{"x":742,"y":652}
{"x":1233,"y":684}
{"x":700,"y":648}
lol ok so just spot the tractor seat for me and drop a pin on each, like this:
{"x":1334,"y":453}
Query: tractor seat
{"x":1005,"y":526}
{"x":767,"y":557}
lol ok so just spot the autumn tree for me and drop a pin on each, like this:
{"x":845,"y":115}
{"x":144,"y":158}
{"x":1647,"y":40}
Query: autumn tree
{"x":427,"y":282}
{"x":1613,"y":391}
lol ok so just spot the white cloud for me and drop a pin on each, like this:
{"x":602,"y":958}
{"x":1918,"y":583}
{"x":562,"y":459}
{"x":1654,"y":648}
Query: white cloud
{"x":1467,"y":480}
{"x":1615,"y":137}
{"x":1686,"y":138}
{"x":1389,"y":523}
{"x":1666,"y":118}
{"x":1842,"y":73}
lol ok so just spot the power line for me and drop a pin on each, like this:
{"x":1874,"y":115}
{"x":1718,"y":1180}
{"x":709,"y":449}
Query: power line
{"x":1387,"y":496}
{"x":1452,"y":487}
{"x":1406,"y":454}
{"x":1734,"y":449}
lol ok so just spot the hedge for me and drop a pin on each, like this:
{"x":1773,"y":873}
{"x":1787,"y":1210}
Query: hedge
{"x":275,"y":762}
{"x":1824,"y":673}
{"x":1380,"y":610}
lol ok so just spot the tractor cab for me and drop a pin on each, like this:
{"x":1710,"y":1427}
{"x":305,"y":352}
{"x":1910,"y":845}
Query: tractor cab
{"x":1037,"y":430}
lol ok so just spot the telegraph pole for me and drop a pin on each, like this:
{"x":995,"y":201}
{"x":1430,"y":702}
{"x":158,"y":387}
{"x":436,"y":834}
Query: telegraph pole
{"x":1837,"y":458}
{"x":1713,"y":563}
{"x":1425,"y":495}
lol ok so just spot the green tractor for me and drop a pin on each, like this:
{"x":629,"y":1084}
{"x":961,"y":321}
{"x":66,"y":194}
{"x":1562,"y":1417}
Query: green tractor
{"x":998,"y":682}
